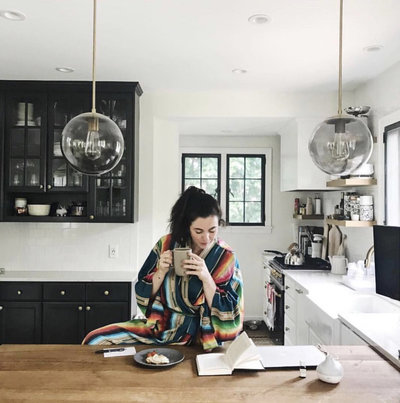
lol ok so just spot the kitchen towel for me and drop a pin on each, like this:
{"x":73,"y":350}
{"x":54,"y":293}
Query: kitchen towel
{"x":271,"y":306}
{"x":334,"y":240}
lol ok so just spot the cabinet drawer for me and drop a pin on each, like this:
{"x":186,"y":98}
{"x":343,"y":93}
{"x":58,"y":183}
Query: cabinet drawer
{"x":290,"y":307}
{"x":10,"y":291}
{"x":64,"y":291}
{"x":290,"y":329}
{"x":292,"y":287}
{"x":108,"y":291}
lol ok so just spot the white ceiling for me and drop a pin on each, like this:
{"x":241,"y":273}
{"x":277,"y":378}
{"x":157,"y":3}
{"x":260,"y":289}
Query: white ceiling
{"x":193,"y":45}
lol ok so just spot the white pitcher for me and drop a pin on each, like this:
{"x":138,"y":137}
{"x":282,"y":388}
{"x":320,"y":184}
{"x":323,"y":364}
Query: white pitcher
{"x":338,"y":264}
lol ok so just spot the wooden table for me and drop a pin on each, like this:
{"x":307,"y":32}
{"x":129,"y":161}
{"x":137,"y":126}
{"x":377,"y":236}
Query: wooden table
{"x":58,"y":373}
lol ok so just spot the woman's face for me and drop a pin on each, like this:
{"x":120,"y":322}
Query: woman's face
{"x":203,"y":231}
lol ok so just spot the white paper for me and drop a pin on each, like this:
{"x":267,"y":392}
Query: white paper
{"x":126,"y":351}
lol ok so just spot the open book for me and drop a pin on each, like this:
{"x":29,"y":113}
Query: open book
{"x":241,"y":354}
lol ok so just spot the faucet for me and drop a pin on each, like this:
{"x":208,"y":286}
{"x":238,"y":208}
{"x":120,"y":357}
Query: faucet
{"x":367,"y":260}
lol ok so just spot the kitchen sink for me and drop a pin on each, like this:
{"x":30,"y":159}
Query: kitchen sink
{"x":368,"y":304}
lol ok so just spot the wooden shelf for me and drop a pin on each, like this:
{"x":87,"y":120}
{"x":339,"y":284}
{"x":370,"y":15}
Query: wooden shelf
{"x":308,"y":217}
{"x":351,"y":182}
{"x":350,"y":223}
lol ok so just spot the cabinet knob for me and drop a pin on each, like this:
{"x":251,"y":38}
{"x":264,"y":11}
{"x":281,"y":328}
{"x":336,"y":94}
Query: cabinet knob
{"x":287,"y":306}
{"x":41,"y":187}
{"x":49,"y":186}
{"x":19,"y":292}
{"x":287,"y":329}
{"x":299,"y":291}
{"x":88,"y":308}
{"x":265,"y":312}
{"x":62,"y":292}
{"x":1,"y":308}
{"x":106,"y":292}
{"x":91,"y":217}
{"x":80,"y":308}
{"x":287,"y":287}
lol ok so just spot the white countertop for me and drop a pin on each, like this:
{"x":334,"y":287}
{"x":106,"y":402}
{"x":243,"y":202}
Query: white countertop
{"x":108,"y":276}
{"x":375,"y":318}
{"x":380,"y":330}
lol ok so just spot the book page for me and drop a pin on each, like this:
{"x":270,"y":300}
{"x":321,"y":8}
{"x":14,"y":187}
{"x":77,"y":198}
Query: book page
{"x":212,"y":364}
{"x":241,"y":350}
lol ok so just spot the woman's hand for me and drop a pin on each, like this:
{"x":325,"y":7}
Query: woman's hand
{"x":196,"y":266}
{"x":165,"y":261}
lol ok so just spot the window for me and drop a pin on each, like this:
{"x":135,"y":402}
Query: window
{"x":202,"y":171}
{"x":241,"y":182}
{"x":245,"y":189}
{"x":391,"y":139}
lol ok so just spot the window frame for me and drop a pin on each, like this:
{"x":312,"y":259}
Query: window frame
{"x":201,"y":155}
{"x":223,"y":151}
{"x":227,"y":189}
{"x":386,"y":131}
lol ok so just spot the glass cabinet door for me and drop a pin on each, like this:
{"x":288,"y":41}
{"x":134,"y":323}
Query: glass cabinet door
{"x":113,"y":189}
{"x":112,"y":193}
{"x":25,"y":142}
{"x":60,"y":175}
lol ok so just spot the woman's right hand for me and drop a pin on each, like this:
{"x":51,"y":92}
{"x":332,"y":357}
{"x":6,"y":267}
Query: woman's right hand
{"x":165,"y":261}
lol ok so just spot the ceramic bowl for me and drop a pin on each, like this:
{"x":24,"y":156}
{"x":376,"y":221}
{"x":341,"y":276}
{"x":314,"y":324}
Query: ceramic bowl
{"x":39,"y":209}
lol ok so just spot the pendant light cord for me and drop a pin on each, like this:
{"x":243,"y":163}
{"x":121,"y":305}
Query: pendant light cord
{"x":340,"y":58}
{"x":94,"y":59}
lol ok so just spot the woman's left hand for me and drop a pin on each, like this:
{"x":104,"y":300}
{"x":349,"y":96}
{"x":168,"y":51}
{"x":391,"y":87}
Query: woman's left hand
{"x":196,"y":266}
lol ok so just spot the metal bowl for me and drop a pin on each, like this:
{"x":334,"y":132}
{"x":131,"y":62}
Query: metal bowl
{"x":252,"y":324}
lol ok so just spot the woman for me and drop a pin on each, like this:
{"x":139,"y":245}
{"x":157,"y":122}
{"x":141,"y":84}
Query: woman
{"x":205,"y":304}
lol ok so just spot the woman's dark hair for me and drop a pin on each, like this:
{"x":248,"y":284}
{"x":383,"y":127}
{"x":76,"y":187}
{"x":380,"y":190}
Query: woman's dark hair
{"x":192,"y":204}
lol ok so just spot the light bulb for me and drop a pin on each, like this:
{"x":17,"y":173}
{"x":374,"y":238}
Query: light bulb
{"x":340,"y":144}
{"x":92,"y":147}
{"x":92,"y":143}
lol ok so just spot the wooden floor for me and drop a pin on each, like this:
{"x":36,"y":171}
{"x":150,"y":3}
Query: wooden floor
{"x":260,"y":336}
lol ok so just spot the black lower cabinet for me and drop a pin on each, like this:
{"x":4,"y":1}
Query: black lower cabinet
{"x":63,"y":322}
{"x":60,"y":312}
{"x":20,"y":322}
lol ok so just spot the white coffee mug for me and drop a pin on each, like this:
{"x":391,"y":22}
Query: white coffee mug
{"x":338,"y":264}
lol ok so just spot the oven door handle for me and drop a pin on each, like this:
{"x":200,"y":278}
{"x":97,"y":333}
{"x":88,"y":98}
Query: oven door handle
{"x":277,"y":294}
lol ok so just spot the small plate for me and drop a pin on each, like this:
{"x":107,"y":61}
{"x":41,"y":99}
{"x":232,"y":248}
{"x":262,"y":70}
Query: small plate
{"x":174,"y":357}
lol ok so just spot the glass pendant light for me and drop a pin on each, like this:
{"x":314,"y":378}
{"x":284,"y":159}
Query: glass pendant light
{"x":91,"y":142}
{"x":342,"y":143}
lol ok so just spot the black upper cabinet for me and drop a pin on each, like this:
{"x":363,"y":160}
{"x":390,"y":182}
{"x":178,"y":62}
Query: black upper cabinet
{"x":32,"y":117}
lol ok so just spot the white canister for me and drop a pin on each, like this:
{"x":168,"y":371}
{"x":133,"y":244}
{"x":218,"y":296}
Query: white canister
{"x":366,"y":208}
{"x":20,"y":202}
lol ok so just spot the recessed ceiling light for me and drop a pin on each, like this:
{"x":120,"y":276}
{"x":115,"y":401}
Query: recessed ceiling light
{"x":373,"y":48}
{"x":12,"y":15}
{"x":259,"y":19}
{"x":65,"y":69}
{"x":239,"y":71}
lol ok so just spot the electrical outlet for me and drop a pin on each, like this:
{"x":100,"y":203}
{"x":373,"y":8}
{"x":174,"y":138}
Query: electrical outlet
{"x":112,"y":251}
